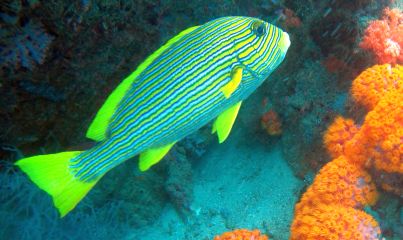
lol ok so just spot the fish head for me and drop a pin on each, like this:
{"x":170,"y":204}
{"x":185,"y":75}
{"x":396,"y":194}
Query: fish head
{"x":261,"y":47}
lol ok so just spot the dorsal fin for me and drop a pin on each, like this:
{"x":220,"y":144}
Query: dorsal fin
{"x":99,"y":126}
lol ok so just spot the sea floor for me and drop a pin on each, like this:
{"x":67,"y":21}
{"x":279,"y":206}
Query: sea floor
{"x":238,"y":184}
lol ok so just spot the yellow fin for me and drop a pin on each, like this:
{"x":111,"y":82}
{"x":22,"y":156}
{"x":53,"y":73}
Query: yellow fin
{"x":153,"y":156}
{"x":236,"y":77}
{"x":225,"y":121}
{"x":51,"y":173}
{"x":99,"y":126}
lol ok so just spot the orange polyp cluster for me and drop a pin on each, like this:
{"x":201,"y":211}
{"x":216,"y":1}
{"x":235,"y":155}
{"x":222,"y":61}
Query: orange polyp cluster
{"x":334,"y":222}
{"x":354,"y":150}
{"x":338,"y":134}
{"x":372,"y":84}
{"x":381,"y":136}
{"x":330,"y":208}
{"x":242,"y":234}
{"x":339,"y":182}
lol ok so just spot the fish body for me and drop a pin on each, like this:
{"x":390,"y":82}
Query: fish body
{"x":202,"y":74}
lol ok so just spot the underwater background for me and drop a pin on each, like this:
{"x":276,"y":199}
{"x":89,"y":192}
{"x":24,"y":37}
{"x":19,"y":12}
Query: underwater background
{"x":316,"y":151}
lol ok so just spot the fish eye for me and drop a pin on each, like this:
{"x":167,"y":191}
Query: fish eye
{"x":259,"y":28}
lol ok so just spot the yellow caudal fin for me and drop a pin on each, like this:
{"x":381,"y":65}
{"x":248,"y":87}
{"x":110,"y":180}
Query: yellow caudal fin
{"x":153,"y":156}
{"x":98,"y":128}
{"x":51,"y":173}
{"x":224,"y":122}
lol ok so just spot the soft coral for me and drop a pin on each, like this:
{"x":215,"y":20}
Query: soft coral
{"x":385,"y":37}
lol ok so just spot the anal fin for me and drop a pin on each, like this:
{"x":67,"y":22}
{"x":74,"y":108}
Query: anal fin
{"x":224,"y":122}
{"x":153,"y":156}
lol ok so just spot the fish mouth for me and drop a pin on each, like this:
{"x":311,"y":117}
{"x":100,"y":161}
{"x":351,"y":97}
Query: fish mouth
{"x":285,"y":42}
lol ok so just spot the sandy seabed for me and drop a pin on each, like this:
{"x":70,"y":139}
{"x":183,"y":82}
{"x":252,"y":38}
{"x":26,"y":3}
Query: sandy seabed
{"x":238,"y":184}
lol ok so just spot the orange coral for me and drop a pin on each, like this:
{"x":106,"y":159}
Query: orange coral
{"x":334,"y":222}
{"x":372,"y":84}
{"x":242,"y":234}
{"x":271,"y":123}
{"x":328,"y":209}
{"x":338,"y":134}
{"x":380,"y":140}
{"x":339,"y":182}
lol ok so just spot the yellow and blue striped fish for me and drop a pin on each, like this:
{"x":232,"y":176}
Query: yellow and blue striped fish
{"x":201,"y":74}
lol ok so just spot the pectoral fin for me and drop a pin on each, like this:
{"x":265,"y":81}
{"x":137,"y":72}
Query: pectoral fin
{"x":236,"y":77}
{"x":224,"y":122}
{"x":153,"y":156}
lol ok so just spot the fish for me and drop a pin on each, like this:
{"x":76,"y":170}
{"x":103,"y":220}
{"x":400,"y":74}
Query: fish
{"x":202,"y":74}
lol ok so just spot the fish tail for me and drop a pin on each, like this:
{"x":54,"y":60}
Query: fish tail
{"x":52,"y":174}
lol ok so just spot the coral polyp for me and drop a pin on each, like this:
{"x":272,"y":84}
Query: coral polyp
{"x":242,"y":234}
{"x":381,"y":135}
{"x":338,"y":134}
{"x":339,"y":182}
{"x":372,"y":84}
{"x":335,"y":222}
